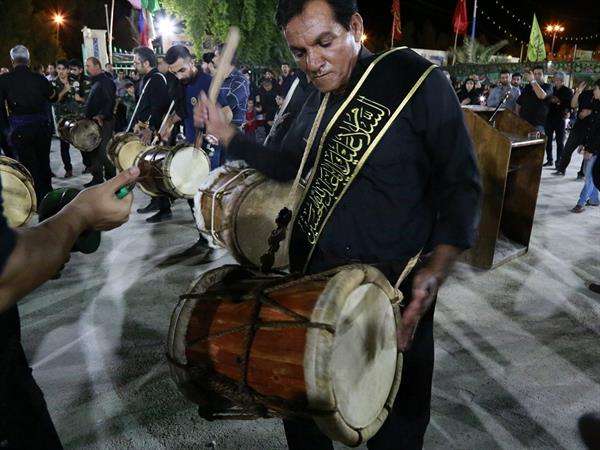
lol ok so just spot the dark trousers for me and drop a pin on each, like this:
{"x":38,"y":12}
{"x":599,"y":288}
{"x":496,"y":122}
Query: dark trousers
{"x":65,"y":155}
{"x":576,"y":138}
{"x":4,"y":142}
{"x":407,"y":422}
{"x":164,"y":203}
{"x":87,"y":159}
{"x":31,"y":144}
{"x":25,"y":423}
{"x":102,"y":167}
{"x":555,"y":125}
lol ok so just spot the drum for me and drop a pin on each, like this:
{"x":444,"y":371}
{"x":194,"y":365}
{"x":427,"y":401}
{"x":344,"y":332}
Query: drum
{"x":175,"y":172}
{"x":18,"y":194}
{"x":123,"y":148}
{"x":82,"y":133}
{"x":236,"y":208}
{"x":243,"y":345}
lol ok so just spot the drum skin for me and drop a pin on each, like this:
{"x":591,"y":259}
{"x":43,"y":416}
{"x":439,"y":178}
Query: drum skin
{"x":18,"y":193}
{"x":236,"y":208}
{"x":123,"y":148}
{"x":82,"y":133}
{"x":295,"y":342}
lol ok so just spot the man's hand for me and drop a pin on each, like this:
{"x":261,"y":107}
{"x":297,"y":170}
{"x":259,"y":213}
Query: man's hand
{"x":146,"y":135}
{"x":79,"y":98}
{"x":529,"y":75}
{"x":584,"y":113}
{"x":99,"y":207}
{"x":210,"y":115}
{"x":581,"y":87}
{"x":99,"y":120}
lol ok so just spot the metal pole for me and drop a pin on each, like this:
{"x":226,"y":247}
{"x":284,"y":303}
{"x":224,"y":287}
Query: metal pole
{"x":552,"y":48}
{"x":455,"y":42}
{"x":473,"y":29}
{"x":521,"y":55}
{"x":112,"y":18}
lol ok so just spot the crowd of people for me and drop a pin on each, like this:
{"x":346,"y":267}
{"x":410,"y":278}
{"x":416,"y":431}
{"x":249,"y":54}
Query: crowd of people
{"x":553,"y":109}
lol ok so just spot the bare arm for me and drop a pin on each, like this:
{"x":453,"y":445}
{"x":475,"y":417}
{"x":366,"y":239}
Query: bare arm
{"x":539,"y":92}
{"x":41,"y":251}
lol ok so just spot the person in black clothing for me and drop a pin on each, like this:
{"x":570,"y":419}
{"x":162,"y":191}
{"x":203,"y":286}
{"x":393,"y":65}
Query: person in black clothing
{"x":28,"y":257}
{"x":532,"y":105}
{"x":586,"y":105}
{"x":286,"y":80}
{"x":418,"y":190}
{"x":153,"y":105}
{"x":267,"y":98}
{"x":82,"y":87}
{"x":468,"y":95}
{"x":175,"y":90}
{"x":560,"y":105}
{"x":26,"y":95}
{"x":99,"y":106}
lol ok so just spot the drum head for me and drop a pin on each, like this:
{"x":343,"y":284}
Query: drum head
{"x":18,"y":195}
{"x":128,"y":152}
{"x":357,"y":371}
{"x":187,"y":169}
{"x":255,"y":220}
{"x":86,"y":135}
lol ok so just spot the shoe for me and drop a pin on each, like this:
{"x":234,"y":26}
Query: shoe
{"x":589,"y":430}
{"x":68,"y":174}
{"x":580,"y":175}
{"x":160,"y":216}
{"x":577,"y":209}
{"x":548,"y":164}
{"x":150,"y":207}
{"x":87,"y":170}
{"x":558,"y":172}
{"x":196,"y":253}
{"x":589,"y":203}
{"x":93,"y":183}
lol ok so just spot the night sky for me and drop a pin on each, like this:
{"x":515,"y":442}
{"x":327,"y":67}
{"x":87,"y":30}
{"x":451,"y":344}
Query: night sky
{"x":577,"y":19}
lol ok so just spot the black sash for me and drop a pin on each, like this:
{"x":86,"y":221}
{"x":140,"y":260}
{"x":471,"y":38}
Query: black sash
{"x":353,"y":133}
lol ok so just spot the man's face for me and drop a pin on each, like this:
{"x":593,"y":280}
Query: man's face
{"x":322,"y":47}
{"x":108,"y":67}
{"x":504,"y":79}
{"x":558,"y":82}
{"x":516,"y":81}
{"x":216,"y":59}
{"x":75,"y":71}
{"x":285,"y":70}
{"x":183,"y":69}
{"x":61,"y":71}
{"x":538,"y":75}
{"x":121,"y":75}
{"x":268,"y":86}
{"x":131,"y":90}
{"x":141,"y":67}
{"x":50,"y":69}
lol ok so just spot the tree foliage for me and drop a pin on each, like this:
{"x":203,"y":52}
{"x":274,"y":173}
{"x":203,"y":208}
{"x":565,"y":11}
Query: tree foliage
{"x":475,"y":52}
{"x":207,"y":22}
{"x":20,"y":24}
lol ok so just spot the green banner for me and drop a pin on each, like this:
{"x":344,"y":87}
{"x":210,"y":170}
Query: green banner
{"x":537,"y":49}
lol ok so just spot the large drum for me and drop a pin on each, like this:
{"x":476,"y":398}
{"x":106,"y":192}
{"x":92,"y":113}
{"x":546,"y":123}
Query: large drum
{"x":82,"y":133}
{"x":243,"y":345}
{"x":175,"y":172}
{"x":18,"y":194}
{"x":236,"y":208}
{"x":123,"y":148}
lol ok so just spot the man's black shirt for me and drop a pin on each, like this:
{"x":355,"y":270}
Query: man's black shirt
{"x":418,"y":189}
{"x":154,"y":102}
{"x":534,"y":110}
{"x":25,"y":92}
{"x":559,"y":110}
{"x":102,"y":97}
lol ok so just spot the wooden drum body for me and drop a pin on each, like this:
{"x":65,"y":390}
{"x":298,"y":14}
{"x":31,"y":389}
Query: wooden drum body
{"x":244,"y":345}
{"x":18,"y":193}
{"x":123,"y":148}
{"x":236,"y":208}
{"x":82,"y":133}
{"x":175,"y":172}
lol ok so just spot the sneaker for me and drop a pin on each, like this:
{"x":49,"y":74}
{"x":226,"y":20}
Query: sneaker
{"x":94,"y":182}
{"x":548,"y":164}
{"x":577,"y":209}
{"x":160,"y":216}
{"x":150,"y":207}
{"x":558,"y":172}
{"x":68,"y":174}
{"x":595,"y":288}
{"x":589,"y":203}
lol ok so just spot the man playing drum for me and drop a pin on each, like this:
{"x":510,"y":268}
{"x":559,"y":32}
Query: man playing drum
{"x":392,"y":173}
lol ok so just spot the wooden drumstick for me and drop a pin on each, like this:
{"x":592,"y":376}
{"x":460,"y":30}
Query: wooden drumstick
{"x":233,"y":39}
{"x":162,"y":125}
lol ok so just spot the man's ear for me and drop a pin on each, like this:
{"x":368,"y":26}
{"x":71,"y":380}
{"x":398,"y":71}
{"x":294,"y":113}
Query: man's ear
{"x":356,"y":27}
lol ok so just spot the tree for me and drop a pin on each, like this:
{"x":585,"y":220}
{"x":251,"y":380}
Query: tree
{"x":20,"y":24}
{"x":209,"y":20}
{"x":476,"y":53}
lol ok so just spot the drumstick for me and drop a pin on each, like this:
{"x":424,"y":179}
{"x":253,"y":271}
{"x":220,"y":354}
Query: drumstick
{"x":162,"y":125}
{"x":233,"y":39}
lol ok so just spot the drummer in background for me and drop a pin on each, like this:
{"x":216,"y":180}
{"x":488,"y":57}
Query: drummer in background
{"x":418,"y":190}
{"x":194,"y":81}
{"x":26,"y":95}
{"x":152,"y":106}
{"x":28,"y":257}
{"x":65,"y":105}
{"x":99,"y":106}
{"x":82,"y":86}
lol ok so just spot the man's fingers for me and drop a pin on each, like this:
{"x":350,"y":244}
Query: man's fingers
{"x":124,"y":178}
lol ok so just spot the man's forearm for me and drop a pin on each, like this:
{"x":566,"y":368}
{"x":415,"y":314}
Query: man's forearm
{"x":38,"y":255}
{"x":541,"y":94}
{"x":442,"y":260}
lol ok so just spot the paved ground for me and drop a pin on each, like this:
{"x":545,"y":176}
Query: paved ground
{"x":517,"y":354}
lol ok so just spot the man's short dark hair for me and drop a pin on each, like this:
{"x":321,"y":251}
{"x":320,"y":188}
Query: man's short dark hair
{"x":176,"y":52}
{"x":503,"y":71}
{"x":517,"y":74}
{"x":75,"y":63}
{"x":208,"y":57}
{"x":285,"y":64}
{"x":220,"y":48}
{"x":538,"y":68}
{"x":62,"y":62}
{"x":146,"y":55}
{"x":343,"y":10}
{"x":95,"y":61}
